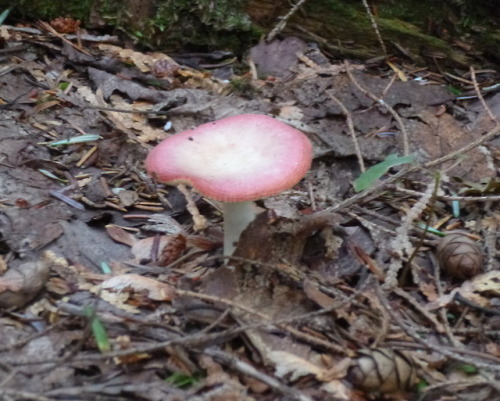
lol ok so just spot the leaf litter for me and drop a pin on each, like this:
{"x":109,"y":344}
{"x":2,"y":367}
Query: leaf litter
{"x":118,"y":281}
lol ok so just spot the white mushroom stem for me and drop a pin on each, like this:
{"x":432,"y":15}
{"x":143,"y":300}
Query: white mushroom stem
{"x":237,"y":217}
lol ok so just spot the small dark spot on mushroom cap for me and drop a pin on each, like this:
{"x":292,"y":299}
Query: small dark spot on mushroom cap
{"x":191,"y":138}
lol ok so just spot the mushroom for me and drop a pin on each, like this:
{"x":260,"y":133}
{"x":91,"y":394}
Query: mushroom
{"x":235,"y":160}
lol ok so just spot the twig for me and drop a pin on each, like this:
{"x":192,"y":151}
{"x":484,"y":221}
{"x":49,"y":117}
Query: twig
{"x":249,"y":370}
{"x":7,"y":394}
{"x":424,"y":312}
{"x":456,"y":386}
{"x":132,"y":111}
{"x":86,"y":37}
{"x":490,"y":135}
{"x":375,"y":26}
{"x":52,"y":31}
{"x":490,"y":240}
{"x":200,"y":222}
{"x":443,"y":310}
{"x":413,"y":333}
{"x":9,"y":50}
{"x":399,"y":121}
{"x":495,"y":198}
{"x":283,"y":20}
{"x":296,"y":333}
{"x":372,"y":192}
{"x":479,"y":94}
{"x":401,"y":244}
{"x":350,"y":125}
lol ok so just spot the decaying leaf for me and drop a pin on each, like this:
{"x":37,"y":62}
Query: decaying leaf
{"x":287,"y":363}
{"x":486,"y":186}
{"x":313,"y":293}
{"x":488,"y":282}
{"x":154,"y":289}
{"x":145,"y":62}
{"x":163,"y":223}
{"x":473,"y":290}
{"x":119,"y":235}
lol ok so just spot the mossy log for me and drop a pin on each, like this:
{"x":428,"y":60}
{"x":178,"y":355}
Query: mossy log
{"x":456,"y":31}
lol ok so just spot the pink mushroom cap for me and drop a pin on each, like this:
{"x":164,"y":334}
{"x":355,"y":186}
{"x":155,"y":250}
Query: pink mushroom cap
{"x":240,"y":158}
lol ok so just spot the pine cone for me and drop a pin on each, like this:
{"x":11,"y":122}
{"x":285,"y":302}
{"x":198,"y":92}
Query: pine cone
{"x":383,"y":370}
{"x":459,"y":256}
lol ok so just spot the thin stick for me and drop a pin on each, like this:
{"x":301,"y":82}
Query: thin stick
{"x":296,"y":333}
{"x":451,"y":353}
{"x":249,"y":370}
{"x":490,"y":135}
{"x":283,"y":20}
{"x":479,"y":95}
{"x":399,"y":121}
{"x":350,"y":125}
{"x":375,"y":27}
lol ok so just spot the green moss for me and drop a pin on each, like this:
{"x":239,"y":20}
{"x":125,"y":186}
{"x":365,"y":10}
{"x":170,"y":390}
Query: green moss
{"x":411,"y":11}
{"x":201,"y":24}
{"x":405,"y":31}
{"x":172,"y":24}
{"x":48,"y":9}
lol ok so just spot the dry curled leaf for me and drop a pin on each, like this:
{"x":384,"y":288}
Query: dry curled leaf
{"x":163,"y":250}
{"x":154,"y":289}
{"x":382,"y":370}
{"x":459,"y":256}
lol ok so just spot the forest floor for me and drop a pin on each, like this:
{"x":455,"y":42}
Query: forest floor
{"x":113,"y":287}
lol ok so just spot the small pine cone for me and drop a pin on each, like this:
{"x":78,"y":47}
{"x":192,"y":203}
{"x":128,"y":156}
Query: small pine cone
{"x":383,"y":370}
{"x":174,"y":248}
{"x":459,"y":256}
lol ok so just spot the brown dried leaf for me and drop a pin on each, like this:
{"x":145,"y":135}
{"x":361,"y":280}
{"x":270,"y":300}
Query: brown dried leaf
{"x":170,"y":247}
{"x":128,"y":197}
{"x":119,"y":235}
{"x":314,"y":294}
{"x":290,"y":364}
{"x":287,"y":363}
{"x":199,"y":221}
{"x":144,"y":61}
{"x":154,"y":289}
{"x":203,"y":242}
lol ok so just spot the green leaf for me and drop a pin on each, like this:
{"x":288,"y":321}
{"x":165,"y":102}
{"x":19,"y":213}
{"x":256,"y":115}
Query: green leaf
{"x":182,"y":380}
{"x":63,"y":85}
{"x":71,"y":141}
{"x":422,"y":385}
{"x":370,"y":176}
{"x":98,"y":330}
{"x":454,"y":91}
{"x":469,"y":369}
{"x":4,"y":15}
